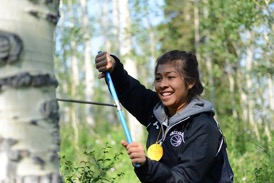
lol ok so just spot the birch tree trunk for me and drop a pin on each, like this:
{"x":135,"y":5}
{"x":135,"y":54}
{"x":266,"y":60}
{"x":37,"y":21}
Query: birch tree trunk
{"x":249,"y":86}
{"x":75,"y":78}
{"x":89,"y":73}
{"x":29,"y":133}
{"x":106,"y":24}
{"x":125,"y":48}
{"x":270,"y":78}
{"x":231,"y":81}
{"x":196,"y":27}
{"x":107,"y":36}
{"x":115,"y":20}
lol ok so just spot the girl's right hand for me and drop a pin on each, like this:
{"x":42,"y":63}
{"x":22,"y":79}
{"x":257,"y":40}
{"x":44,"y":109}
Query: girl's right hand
{"x":104,"y":62}
{"x":136,"y":152}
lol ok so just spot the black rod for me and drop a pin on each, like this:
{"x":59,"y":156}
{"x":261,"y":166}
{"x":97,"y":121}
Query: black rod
{"x":86,"y":102}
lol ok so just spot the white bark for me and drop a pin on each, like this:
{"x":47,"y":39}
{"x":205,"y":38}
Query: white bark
{"x":196,"y":27}
{"x":136,"y":128}
{"x":271,"y":91}
{"x":75,"y":79}
{"x":115,"y":20}
{"x":249,"y":86}
{"x":29,"y":133}
{"x":232,"y":92}
{"x":209,"y":66}
{"x":151,"y":34}
{"x":89,"y":73}
{"x":106,"y":24}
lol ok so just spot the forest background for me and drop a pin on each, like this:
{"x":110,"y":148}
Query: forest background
{"x":233,"y":41}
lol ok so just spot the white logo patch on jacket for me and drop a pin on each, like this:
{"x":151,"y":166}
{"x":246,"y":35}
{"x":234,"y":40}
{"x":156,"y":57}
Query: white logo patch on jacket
{"x":177,"y":138}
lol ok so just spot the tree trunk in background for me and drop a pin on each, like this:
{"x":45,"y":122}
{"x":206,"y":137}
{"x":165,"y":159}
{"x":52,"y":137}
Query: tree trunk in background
{"x":271,"y":100}
{"x":105,"y":30}
{"x":64,"y":109}
{"x":136,"y":128}
{"x":206,"y":60}
{"x":147,"y":72}
{"x":210,"y":74}
{"x":29,"y":133}
{"x":89,"y":73}
{"x":249,"y":86}
{"x":151,"y":34}
{"x":271,"y":92}
{"x":196,"y":28}
{"x":269,"y":77}
{"x":106,"y":25}
{"x":74,"y":79}
{"x":115,"y":20}
{"x":231,"y":80}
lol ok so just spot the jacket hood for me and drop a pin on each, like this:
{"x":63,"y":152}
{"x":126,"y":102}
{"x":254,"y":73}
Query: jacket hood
{"x":196,"y":106}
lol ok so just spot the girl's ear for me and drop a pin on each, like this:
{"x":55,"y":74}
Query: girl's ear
{"x":190,"y":85}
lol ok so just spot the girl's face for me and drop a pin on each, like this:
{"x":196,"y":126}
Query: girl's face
{"x":171,"y":88}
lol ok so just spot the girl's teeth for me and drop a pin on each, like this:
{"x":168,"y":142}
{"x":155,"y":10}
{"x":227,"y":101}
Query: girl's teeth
{"x":166,"y":94}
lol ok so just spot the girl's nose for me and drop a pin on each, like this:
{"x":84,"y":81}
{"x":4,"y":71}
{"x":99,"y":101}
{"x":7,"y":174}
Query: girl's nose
{"x":163,"y":83}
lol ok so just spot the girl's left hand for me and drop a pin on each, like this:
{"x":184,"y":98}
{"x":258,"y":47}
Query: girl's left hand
{"x":136,"y":152}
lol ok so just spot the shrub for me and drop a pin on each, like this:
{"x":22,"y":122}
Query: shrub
{"x":93,"y":168}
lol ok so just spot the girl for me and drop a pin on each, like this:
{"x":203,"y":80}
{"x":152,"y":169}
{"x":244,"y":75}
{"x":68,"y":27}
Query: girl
{"x":184,"y":141}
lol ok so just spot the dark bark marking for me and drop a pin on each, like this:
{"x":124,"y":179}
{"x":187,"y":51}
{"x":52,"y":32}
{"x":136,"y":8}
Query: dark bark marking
{"x":10,"y":142}
{"x":5,"y":146}
{"x":54,"y":157}
{"x":11,"y":46}
{"x":1,"y":140}
{"x":48,"y":1}
{"x":34,"y":13}
{"x":25,"y":79}
{"x":53,"y":18}
{"x":38,"y":161}
{"x":33,"y":122}
{"x":50,"y":109}
{"x":34,"y":1}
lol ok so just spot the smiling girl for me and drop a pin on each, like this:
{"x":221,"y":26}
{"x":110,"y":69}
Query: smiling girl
{"x":184,"y":143}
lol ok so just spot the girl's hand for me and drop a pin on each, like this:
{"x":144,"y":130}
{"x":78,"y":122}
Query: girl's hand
{"x":104,"y":62}
{"x":136,"y":152}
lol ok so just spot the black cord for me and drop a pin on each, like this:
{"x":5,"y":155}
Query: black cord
{"x":86,"y":102}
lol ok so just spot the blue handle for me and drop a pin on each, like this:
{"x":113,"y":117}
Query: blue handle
{"x":119,"y":108}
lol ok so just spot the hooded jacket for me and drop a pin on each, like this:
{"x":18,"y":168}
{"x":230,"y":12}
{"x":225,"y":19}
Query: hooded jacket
{"x":190,"y":138}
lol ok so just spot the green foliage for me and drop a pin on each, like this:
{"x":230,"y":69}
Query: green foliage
{"x":177,"y":31}
{"x":93,"y":168}
{"x":251,"y":159}
{"x":87,"y":159}
{"x":264,"y":172}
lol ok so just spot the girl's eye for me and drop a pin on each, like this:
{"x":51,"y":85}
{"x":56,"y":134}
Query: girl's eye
{"x":157,"y":79}
{"x":171,"y":77}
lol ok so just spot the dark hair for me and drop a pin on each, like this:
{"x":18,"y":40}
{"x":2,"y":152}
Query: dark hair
{"x":187,"y":66}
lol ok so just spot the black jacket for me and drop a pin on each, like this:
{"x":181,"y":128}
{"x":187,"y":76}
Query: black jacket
{"x":190,"y":138}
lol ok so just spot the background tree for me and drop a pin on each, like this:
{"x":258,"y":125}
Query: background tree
{"x":125,"y":48}
{"x":89,"y":72}
{"x":29,"y":133}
